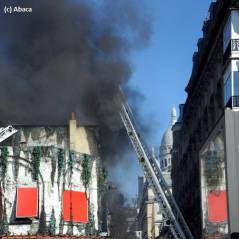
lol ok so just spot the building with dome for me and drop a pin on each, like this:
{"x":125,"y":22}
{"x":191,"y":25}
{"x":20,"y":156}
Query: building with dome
{"x":166,"y":146}
{"x":150,"y":217}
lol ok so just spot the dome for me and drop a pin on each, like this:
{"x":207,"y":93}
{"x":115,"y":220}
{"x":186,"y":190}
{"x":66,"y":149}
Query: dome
{"x":167,"y":138}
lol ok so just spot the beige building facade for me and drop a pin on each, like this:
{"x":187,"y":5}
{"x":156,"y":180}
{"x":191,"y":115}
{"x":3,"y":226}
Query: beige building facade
{"x":149,"y":216}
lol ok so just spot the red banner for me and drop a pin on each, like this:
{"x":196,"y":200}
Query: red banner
{"x":27,"y":202}
{"x":75,"y":206}
{"x":217,"y":206}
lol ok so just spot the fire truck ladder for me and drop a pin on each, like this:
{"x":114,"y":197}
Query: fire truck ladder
{"x":6,"y":132}
{"x":174,"y":217}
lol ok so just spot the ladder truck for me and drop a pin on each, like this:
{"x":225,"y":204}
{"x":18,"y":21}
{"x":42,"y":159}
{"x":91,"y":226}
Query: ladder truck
{"x":6,"y":132}
{"x":154,"y":176}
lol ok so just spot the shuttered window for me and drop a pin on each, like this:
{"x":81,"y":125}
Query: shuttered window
{"x":75,"y":206}
{"x":27,"y":203}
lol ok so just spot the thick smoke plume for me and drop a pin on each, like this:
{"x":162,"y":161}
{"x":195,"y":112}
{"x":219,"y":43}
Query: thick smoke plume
{"x":70,"y":55}
{"x":67,"y":56}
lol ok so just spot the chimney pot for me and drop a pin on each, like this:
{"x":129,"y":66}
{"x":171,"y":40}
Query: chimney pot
{"x":73,"y":116}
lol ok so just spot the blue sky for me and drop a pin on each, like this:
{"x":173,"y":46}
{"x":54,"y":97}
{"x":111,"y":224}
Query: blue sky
{"x":162,"y":70}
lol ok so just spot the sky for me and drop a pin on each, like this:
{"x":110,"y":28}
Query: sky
{"x":162,"y":70}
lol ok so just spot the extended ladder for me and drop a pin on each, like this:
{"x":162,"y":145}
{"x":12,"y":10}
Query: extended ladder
{"x":6,"y":132}
{"x":154,"y":176}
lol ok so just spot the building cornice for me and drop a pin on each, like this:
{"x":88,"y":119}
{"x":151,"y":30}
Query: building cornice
{"x":218,"y":12}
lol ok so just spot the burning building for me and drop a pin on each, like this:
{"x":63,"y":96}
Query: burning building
{"x":50,"y":180}
{"x":63,"y":56}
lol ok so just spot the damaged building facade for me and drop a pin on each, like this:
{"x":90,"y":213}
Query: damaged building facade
{"x":50,"y":180}
{"x":204,"y":162}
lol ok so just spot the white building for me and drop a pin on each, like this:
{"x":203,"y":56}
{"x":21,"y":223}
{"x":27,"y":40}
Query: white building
{"x":150,"y":218}
{"x":165,"y":155}
{"x":50,"y":180}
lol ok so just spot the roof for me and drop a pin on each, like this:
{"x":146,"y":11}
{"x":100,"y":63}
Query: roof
{"x":217,"y":12}
{"x":167,"y":138}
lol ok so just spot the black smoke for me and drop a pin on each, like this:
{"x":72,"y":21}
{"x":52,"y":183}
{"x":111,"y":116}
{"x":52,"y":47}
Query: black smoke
{"x":121,"y":214}
{"x":71,"y":55}
{"x":67,"y":56}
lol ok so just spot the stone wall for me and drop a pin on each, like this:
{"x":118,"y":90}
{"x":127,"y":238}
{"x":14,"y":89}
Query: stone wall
{"x":202,"y":111}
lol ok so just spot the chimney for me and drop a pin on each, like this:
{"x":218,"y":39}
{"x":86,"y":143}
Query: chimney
{"x":73,"y":116}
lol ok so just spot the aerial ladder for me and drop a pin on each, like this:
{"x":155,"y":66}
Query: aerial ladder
{"x":154,"y":176}
{"x":6,"y":132}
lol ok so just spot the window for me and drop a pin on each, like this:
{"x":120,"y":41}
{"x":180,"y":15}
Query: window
{"x":165,"y":163}
{"x":27,"y":203}
{"x":213,"y":181}
{"x":217,"y":206}
{"x":236,"y":83}
{"x":235,"y":98}
{"x":231,"y":88}
{"x":227,"y":34}
{"x":227,"y":89}
{"x":75,"y":206}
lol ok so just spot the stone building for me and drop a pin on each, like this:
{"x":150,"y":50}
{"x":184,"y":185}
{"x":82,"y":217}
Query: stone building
{"x":50,"y":179}
{"x":201,"y":147}
{"x":165,"y":155}
{"x":150,"y":215}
